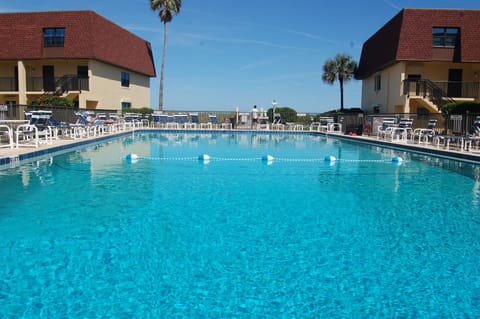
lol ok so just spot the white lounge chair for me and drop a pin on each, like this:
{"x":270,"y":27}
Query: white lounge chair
{"x":194,"y":120}
{"x":424,"y":135}
{"x":36,"y":131}
{"x":159,"y":120}
{"x":475,"y":131}
{"x":400,"y":132}
{"x":385,"y":129}
{"x":277,"y":122}
{"x":6,"y":134}
{"x":212,"y":122}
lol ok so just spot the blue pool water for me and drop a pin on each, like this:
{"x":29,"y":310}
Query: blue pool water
{"x":88,"y":234}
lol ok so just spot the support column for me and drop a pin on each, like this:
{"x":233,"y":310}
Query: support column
{"x":22,"y":83}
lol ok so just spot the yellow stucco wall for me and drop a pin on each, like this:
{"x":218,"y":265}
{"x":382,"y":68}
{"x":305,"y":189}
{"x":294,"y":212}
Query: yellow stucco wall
{"x":390,"y":98}
{"x":105,"y":89}
{"x":390,"y":93}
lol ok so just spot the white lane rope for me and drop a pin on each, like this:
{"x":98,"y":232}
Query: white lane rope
{"x":265,"y":158}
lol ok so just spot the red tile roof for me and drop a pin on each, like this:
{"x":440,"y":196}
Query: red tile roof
{"x":408,"y":37}
{"x":87,"y":36}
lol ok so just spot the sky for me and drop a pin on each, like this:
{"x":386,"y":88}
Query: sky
{"x":227,"y":54}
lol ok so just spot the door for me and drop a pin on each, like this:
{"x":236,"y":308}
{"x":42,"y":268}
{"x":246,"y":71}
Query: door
{"x":415,"y":84}
{"x":454,"y":83}
{"x":48,"y":78}
{"x":15,"y":73}
{"x":82,"y":74}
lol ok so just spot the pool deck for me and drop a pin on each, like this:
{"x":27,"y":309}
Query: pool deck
{"x":14,"y":156}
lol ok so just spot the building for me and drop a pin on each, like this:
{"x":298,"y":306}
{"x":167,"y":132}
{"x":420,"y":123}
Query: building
{"x":75,"y":54}
{"x":420,"y":60}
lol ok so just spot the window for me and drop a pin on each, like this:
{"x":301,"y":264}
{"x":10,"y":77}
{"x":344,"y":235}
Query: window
{"x":378,"y":82}
{"x":53,"y":37}
{"x":82,"y":71}
{"x":126,"y":105}
{"x":445,"y":37}
{"x":125,"y":79}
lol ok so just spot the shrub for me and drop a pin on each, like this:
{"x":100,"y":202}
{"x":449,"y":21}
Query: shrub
{"x":287,"y":114}
{"x":461,"y":108}
{"x":53,"y":100}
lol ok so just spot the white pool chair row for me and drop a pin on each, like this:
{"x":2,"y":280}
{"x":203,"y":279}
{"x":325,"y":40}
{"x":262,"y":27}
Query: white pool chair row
{"x":182,"y":121}
{"x":42,"y":128}
{"x":326,"y":124}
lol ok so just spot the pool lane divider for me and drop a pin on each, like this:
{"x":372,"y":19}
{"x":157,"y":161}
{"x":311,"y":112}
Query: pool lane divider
{"x":269,"y":159}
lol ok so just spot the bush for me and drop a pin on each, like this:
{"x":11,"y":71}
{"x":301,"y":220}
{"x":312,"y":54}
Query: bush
{"x":53,"y":100}
{"x":287,"y":114}
{"x":461,"y":108}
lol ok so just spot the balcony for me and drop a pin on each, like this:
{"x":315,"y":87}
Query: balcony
{"x":40,"y":84}
{"x":64,"y":83}
{"x":441,"y":92}
{"x":8,"y":85}
{"x":464,"y":90}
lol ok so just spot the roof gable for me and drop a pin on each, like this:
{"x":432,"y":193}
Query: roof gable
{"x":380,"y":50}
{"x":87,"y":36}
{"x":408,"y":37}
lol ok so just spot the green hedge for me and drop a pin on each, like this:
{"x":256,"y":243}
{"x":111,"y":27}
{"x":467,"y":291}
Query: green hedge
{"x":287,"y":114}
{"x":461,"y":108}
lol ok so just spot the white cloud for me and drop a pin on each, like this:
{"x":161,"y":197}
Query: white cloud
{"x":390,"y":4}
{"x":235,"y":40}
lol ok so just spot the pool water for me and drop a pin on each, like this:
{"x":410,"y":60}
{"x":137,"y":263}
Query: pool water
{"x":88,"y":234}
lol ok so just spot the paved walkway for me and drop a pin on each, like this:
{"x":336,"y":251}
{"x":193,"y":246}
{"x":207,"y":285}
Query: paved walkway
{"x":8,"y":155}
{"x":472,"y":155}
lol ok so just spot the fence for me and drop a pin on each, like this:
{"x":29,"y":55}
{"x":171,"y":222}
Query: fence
{"x":446,"y":124}
{"x":359,"y":123}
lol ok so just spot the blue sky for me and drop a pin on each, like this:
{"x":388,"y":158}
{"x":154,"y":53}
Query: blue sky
{"x":224,"y":54}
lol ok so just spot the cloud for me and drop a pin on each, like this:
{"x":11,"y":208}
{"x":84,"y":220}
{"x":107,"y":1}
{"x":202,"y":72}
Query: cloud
{"x":256,"y":64}
{"x":390,"y":4}
{"x":313,"y":36}
{"x":146,"y":29}
{"x":235,"y":40}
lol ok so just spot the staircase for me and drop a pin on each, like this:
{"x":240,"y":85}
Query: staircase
{"x":431,"y":94}
{"x":437,"y":95}
{"x":64,"y":84}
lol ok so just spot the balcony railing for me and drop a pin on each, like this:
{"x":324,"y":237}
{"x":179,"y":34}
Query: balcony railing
{"x":8,"y":84}
{"x":449,"y":89}
{"x":441,"y":92}
{"x":37,"y":84}
{"x":71,"y":83}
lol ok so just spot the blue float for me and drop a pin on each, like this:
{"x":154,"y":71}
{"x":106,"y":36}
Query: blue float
{"x":132,"y":158}
{"x":397,"y":160}
{"x":204,"y":158}
{"x":267,"y":158}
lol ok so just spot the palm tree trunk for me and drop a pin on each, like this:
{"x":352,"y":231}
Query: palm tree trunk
{"x":160,"y":93}
{"x":341,"y":94}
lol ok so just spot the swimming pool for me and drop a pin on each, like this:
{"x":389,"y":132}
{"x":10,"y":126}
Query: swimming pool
{"x":90,"y":234}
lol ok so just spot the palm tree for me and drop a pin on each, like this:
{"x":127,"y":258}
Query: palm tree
{"x":165,"y":9}
{"x":342,"y":68}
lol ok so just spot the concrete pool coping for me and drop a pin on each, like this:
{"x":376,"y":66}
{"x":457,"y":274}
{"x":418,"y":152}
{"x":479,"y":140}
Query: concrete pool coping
{"x":15,"y":156}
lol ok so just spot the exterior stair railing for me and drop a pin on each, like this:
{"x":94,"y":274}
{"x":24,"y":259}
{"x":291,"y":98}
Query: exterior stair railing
{"x":428,"y":90}
{"x":437,"y":95}
{"x":67,"y":83}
